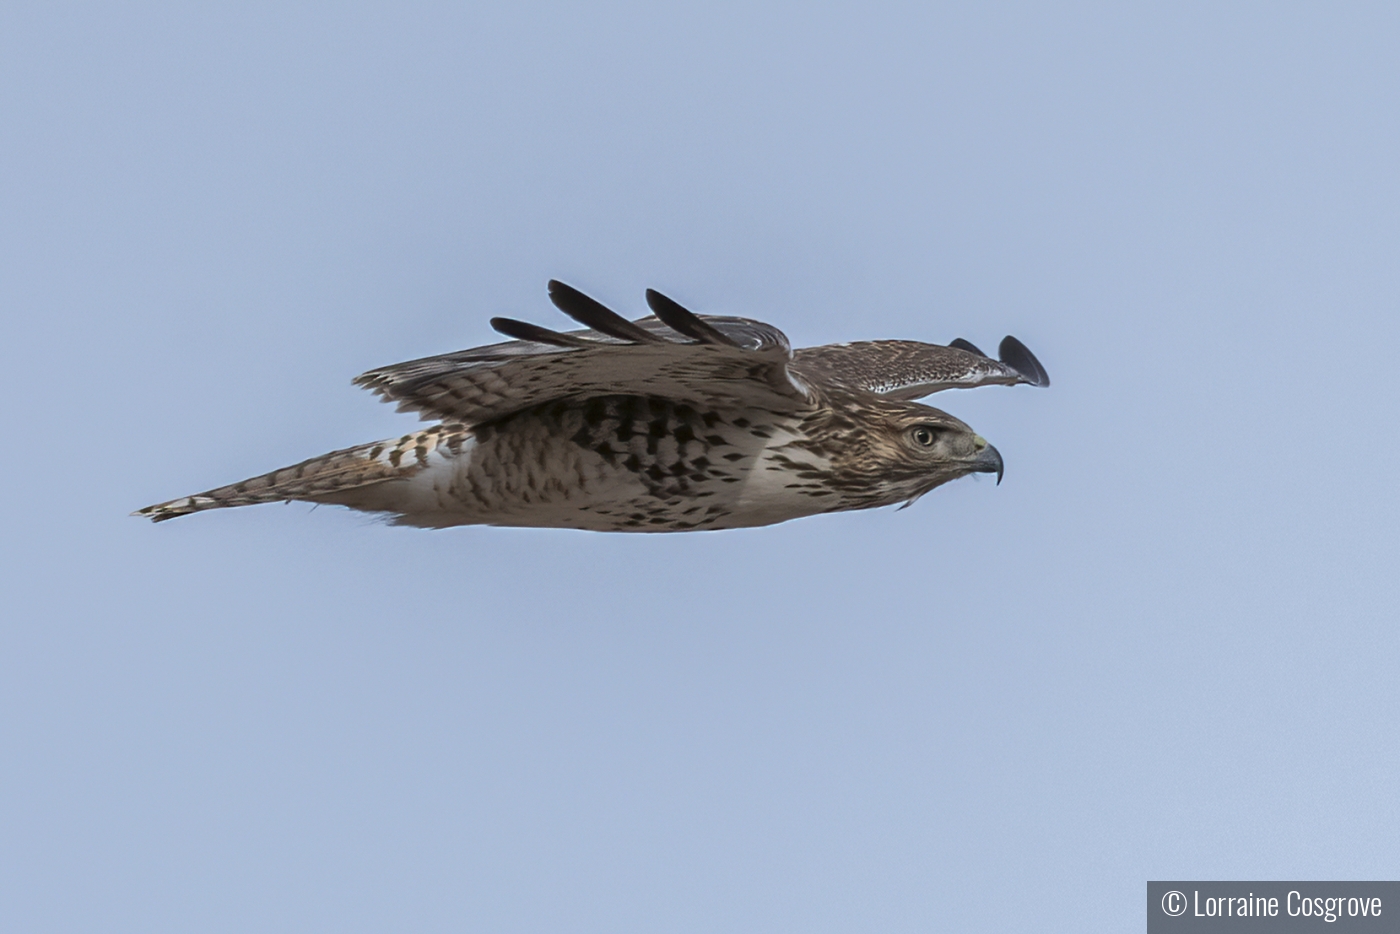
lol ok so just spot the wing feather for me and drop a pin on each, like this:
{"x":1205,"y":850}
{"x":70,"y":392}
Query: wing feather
{"x":682,"y":319}
{"x":1019,"y":357}
{"x":967,"y":345}
{"x":746,"y":366}
{"x":594,"y":314}
{"x":525,"y":331}
{"x":911,"y":369}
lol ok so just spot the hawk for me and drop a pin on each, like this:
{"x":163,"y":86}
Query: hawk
{"x":673,"y":422}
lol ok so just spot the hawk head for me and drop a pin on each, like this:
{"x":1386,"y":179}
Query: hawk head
{"x":891,"y":451}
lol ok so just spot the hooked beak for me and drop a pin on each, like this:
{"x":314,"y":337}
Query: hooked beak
{"x":988,"y":460}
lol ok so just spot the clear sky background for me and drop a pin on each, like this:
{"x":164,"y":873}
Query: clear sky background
{"x":1165,"y":647}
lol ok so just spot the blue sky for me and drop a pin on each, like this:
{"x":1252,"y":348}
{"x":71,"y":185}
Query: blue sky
{"x":1165,"y":647}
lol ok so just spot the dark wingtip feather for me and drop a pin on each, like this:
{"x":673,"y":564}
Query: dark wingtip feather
{"x":594,"y":314}
{"x":967,"y":345}
{"x":525,"y":331}
{"x":681,"y":319}
{"x":1019,"y":357}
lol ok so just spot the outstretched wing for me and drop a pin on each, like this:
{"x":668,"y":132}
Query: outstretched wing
{"x":912,"y":370}
{"x":711,"y":362}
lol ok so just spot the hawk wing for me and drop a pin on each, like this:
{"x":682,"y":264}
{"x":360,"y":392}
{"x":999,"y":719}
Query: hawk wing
{"x":711,"y":362}
{"x":912,"y":370}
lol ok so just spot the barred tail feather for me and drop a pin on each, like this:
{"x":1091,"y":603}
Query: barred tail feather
{"x":321,"y":478}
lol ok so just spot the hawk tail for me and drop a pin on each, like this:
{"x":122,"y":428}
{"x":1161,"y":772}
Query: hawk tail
{"x":320,"y":479}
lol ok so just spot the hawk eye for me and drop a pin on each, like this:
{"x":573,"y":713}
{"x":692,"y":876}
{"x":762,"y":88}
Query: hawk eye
{"x":924,"y":436}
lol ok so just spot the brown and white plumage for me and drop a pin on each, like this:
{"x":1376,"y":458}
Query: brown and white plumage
{"x":669,"y":423}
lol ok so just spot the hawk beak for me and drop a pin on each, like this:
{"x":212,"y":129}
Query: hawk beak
{"x":988,"y":460}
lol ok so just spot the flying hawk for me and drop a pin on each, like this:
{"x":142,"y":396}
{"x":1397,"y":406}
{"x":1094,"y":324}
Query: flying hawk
{"x":669,"y":423}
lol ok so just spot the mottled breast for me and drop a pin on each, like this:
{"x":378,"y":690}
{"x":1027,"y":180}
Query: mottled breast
{"x":615,"y":463}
